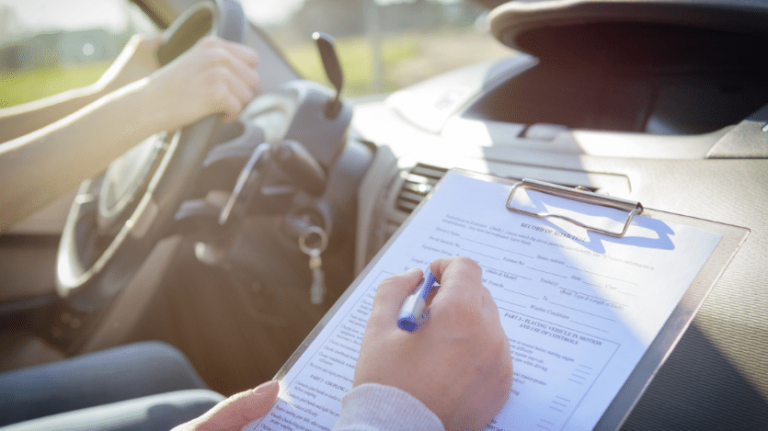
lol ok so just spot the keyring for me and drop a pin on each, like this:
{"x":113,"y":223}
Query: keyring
{"x":309,"y":231}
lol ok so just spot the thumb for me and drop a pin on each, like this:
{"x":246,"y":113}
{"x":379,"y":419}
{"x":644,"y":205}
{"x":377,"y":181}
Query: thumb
{"x":392,"y":292}
{"x":239,"y":410}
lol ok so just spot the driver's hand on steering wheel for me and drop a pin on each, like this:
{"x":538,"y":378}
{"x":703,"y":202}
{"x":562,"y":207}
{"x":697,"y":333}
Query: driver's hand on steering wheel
{"x":214,"y":76}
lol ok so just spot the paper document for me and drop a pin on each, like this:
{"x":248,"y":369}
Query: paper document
{"x":579,"y":308}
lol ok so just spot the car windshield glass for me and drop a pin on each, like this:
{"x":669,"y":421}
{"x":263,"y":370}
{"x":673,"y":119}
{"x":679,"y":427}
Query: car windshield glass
{"x":48,"y":46}
{"x":383,"y":45}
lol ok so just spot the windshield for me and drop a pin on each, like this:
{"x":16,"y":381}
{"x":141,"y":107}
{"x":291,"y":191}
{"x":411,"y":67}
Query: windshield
{"x":383,"y":45}
{"x":47,"y":48}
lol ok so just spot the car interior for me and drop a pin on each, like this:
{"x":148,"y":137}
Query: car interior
{"x":203,"y":237}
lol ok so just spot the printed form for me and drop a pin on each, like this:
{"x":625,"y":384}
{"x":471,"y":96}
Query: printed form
{"x":579,"y":308}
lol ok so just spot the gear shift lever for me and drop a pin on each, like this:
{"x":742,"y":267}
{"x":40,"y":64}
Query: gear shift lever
{"x":332,"y":70}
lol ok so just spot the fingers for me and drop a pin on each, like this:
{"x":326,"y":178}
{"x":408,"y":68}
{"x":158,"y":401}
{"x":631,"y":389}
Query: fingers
{"x":256,"y":403}
{"x":463,"y":303}
{"x":459,"y":363}
{"x":392,"y":292}
{"x":240,"y":59}
{"x":243,"y":52}
{"x":242,"y":68}
{"x":238,"y":410}
{"x":460,"y":280}
{"x":234,"y":66}
{"x":459,"y":277}
{"x":234,"y":96}
{"x":459,"y":269}
{"x":462,"y":299}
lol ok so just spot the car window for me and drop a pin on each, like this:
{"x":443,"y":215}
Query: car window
{"x":49,"y":46}
{"x":383,"y":45}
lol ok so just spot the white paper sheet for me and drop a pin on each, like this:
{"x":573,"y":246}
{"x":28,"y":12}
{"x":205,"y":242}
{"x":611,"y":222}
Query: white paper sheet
{"x":579,"y":308}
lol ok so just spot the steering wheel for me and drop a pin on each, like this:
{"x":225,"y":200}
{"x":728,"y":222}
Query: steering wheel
{"x":117,"y":218}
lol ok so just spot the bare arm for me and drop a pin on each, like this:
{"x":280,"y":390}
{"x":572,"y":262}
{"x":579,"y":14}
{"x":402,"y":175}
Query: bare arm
{"x":215,"y":76}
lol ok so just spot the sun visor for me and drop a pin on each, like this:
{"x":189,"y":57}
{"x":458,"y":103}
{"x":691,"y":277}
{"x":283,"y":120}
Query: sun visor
{"x":635,"y":32}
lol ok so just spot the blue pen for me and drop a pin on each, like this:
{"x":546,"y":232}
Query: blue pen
{"x":412,"y":312}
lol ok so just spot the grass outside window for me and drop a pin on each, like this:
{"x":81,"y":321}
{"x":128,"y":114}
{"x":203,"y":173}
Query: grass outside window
{"x":25,"y":86}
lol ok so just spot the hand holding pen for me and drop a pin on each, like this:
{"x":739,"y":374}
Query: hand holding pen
{"x":458,"y":363}
{"x":413,"y":313}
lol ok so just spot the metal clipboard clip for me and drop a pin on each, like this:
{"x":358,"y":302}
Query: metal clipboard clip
{"x":580,"y":194}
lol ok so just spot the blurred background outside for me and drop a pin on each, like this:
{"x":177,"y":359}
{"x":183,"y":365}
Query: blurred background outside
{"x":49,"y":46}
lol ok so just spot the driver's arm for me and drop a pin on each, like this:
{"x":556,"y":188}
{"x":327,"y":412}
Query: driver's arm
{"x":215,"y":76}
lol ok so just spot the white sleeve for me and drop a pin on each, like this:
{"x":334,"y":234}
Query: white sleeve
{"x":375,"y":407}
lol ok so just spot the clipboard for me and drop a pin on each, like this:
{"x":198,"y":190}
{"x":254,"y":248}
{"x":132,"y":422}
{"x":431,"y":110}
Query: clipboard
{"x":671,"y":332}
{"x":682,"y":316}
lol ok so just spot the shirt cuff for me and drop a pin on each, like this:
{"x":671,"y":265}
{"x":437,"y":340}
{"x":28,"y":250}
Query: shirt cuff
{"x":375,"y":407}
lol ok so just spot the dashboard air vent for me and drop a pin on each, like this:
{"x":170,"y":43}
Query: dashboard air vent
{"x":418,"y":183}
